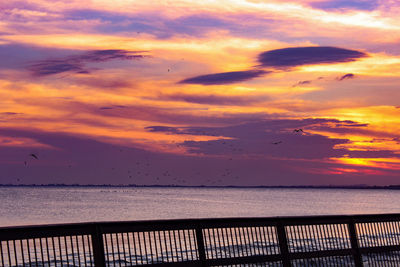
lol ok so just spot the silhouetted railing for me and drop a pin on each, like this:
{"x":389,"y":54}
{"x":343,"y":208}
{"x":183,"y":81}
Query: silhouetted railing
{"x":359,"y":240}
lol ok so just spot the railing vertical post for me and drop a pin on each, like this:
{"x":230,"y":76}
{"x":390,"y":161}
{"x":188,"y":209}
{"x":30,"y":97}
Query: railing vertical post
{"x":200,"y":245}
{"x":98,"y":247}
{"x":283,"y":244}
{"x":354,"y":244}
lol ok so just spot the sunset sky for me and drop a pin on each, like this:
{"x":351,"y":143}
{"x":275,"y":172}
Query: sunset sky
{"x":200,"y":92}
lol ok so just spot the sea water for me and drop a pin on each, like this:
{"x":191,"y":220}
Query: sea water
{"x":47,"y":205}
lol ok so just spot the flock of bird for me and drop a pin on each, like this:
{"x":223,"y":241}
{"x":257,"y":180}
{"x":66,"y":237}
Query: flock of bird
{"x":295,"y":131}
{"x":33,"y":156}
{"x":140,"y":171}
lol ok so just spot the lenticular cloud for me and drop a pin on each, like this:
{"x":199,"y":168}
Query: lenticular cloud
{"x":298,"y":56}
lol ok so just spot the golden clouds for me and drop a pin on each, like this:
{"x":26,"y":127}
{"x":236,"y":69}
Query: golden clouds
{"x":113,"y":100}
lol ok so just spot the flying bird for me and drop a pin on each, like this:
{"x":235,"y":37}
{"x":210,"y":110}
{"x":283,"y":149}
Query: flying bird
{"x":298,"y":130}
{"x":276,"y":143}
{"x":33,"y":156}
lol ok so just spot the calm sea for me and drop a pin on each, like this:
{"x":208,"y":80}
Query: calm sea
{"x":39,"y":205}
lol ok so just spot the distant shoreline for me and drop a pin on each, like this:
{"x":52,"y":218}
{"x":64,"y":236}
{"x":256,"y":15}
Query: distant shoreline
{"x":390,"y":187}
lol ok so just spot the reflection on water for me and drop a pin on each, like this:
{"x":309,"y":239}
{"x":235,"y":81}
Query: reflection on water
{"x":27,"y":205}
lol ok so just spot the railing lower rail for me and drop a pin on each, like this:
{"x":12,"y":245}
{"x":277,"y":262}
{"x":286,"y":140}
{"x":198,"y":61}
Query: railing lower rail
{"x":357,"y":240}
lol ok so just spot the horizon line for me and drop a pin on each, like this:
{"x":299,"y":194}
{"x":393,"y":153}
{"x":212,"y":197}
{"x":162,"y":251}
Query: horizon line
{"x":356,"y":186}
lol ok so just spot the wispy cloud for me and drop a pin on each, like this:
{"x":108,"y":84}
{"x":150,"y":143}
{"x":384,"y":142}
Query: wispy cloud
{"x":346,"y":4}
{"x":225,"y":77}
{"x":76,"y":63}
{"x":50,"y":67}
{"x":9,"y":113}
{"x":350,"y":124}
{"x":112,"y":107}
{"x":214,"y":99}
{"x":302,"y":83}
{"x":346,"y":77}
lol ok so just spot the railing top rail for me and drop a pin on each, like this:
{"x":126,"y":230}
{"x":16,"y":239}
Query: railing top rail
{"x":196,"y":221}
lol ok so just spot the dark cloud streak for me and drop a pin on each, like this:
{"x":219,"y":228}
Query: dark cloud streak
{"x":346,"y":77}
{"x":287,"y":58}
{"x":50,"y":67}
{"x":9,"y":113}
{"x":302,"y":83}
{"x":283,"y":59}
{"x":112,"y":107}
{"x":76,"y":63}
{"x":346,"y":4}
{"x":225,"y":77}
{"x":216,"y":99}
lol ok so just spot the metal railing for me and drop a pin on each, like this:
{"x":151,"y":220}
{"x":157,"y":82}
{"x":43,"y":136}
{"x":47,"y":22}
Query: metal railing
{"x":359,"y":240}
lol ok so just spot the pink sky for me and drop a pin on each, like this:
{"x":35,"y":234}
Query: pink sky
{"x":192,"y":93}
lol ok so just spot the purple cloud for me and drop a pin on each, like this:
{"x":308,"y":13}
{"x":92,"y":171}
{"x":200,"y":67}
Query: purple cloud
{"x":50,"y":67}
{"x":272,"y":138}
{"x":346,"y":4}
{"x":297,"y":56}
{"x":100,"y":82}
{"x":225,"y":77}
{"x":349,"y":123}
{"x":165,"y":27}
{"x":168,"y":115}
{"x":76,"y":63}
{"x":215,"y":99}
{"x":16,"y":56}
{"x":346,"y":76}
{"x":164,"y":129}
{"x":302,"y":83}
{"x":285,"y":59}
{"x":112,"y":107}
{"x":9,"y":113}
{"x":80,"y":160}
{"x":105,"y":55}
